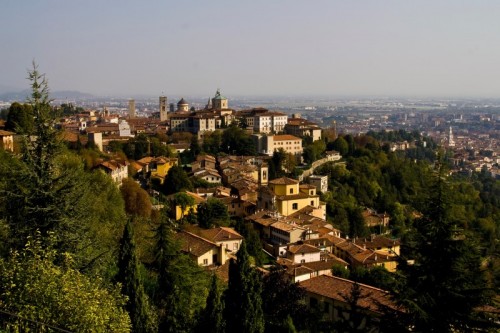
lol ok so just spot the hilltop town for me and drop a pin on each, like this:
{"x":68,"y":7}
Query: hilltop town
{"x":277,"y":183}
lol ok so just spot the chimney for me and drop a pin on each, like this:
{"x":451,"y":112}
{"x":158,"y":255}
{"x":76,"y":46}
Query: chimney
{"x":222,"y":256}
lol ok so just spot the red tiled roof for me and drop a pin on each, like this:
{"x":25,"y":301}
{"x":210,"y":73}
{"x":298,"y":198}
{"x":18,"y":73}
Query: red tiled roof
{"x":339,"y":289}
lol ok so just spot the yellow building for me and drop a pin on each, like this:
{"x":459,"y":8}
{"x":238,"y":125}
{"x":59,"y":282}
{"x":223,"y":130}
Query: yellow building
{"x":179,"y":201}
{"x":287,"y":197}
{"x":159,"y":167}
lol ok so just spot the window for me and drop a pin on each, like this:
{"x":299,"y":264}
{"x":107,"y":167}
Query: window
{"x":312,"y":202}
{"x":313,"y":302}
{"x":326,"y":307}
{"x":235,"y":246}
{"x":295,"y":206}
{"x":291,"y":191}
{"x":303,"y":261}
{"x":205,"y":261}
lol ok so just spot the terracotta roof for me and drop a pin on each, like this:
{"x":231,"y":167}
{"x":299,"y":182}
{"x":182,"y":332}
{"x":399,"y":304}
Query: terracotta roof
{"x":339,"y":289}
{"x":220,"y":234}
{"x":377,"y":242}
{"x":113,"y":165}
{"x":303,"y":248}
{"x":285,"y":137}
{"x":283,"y":181}
{"x":295,"y":196}
{"x":193,"y":244}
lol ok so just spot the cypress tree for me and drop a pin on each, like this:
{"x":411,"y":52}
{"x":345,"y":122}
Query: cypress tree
{"x":128,"y":274}
{"x":212,"y":317}
{"x":243,"y":310}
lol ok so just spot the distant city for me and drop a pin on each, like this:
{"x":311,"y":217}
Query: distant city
{"x":470,"y":128}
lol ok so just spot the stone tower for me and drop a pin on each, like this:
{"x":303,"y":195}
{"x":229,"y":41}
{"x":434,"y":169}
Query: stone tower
{"x":131,"y":108}
{"x":163,"y":108}
{"x":219,"y":102}
{"x":451,"y":141}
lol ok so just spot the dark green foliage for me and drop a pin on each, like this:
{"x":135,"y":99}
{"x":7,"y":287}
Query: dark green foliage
{"x":446,"y":282}
{"x":211,"y":318}
{"x":176,"y":181}
{"x":44,"y":193}
{"x":314,"y":151}
{"x":128,"y":275}
{"x":376,"y":276}
{"x":276,"y":164}
{"x":236,"y":141}
{"x":252,"y":241}
{"x":212,"y":213}
{"x":212,"y":143}
{"x":340,"y":145}
{"x":243,"y":301}
{"x":182,"y":284}
{"x":69,"y":109}
{"x":357,"y":226}
{"x":21,"y":118}
{"x":283,"y":302}
{"x":340,"y":271}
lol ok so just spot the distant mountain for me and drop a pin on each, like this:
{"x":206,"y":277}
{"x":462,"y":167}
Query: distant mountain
{"x":63,"y":94}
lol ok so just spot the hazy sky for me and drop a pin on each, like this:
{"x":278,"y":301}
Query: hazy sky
{"x":270,"y":47}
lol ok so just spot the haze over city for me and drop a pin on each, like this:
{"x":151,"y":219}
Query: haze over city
{"x":294,"y":48}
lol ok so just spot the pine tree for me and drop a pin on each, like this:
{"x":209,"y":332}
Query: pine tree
{"x":212,"y":317}
{"x":128,"y":274}
{"x":42,"y":194}
{"x":243,"y":309}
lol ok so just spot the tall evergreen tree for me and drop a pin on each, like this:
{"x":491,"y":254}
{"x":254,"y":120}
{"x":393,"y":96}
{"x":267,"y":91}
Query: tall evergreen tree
{"x":42,"y":193}
{"x":445,"y":284}
{"x":282,"y":302}
{"x":128,"y":274}
{"x":243,"y":300}
{"x":182,"y":284}
{"x":212,"y":317}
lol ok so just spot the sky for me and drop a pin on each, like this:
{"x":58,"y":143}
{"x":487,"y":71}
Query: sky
{"x":446,"y":48}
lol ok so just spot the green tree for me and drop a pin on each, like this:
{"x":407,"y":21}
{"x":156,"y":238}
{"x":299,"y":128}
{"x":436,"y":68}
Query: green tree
{"x":340,"y":271}
{"x":137,"y":201}
{"x":445,"y":284}
{"x":176,"y":181}
{"x":243,"y":310}
{"x":276,"y":164}
{"x":43,"y":194}
{"x":182,"y":284}
{"x":236,"y":141}
{"x":182,"y":200}
{"x":34,"y":288}
{"x":283,"y":301}
{"x":340,"y":145}
{"x":20,"y":118}
{"x":137,"y":306}
{"x":213,"y":212}
{"x":212,"y":317}
{"x":212,"y":143}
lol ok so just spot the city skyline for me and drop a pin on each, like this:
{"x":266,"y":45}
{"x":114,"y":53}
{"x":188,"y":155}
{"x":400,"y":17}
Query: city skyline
{"x":328,"y":48}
